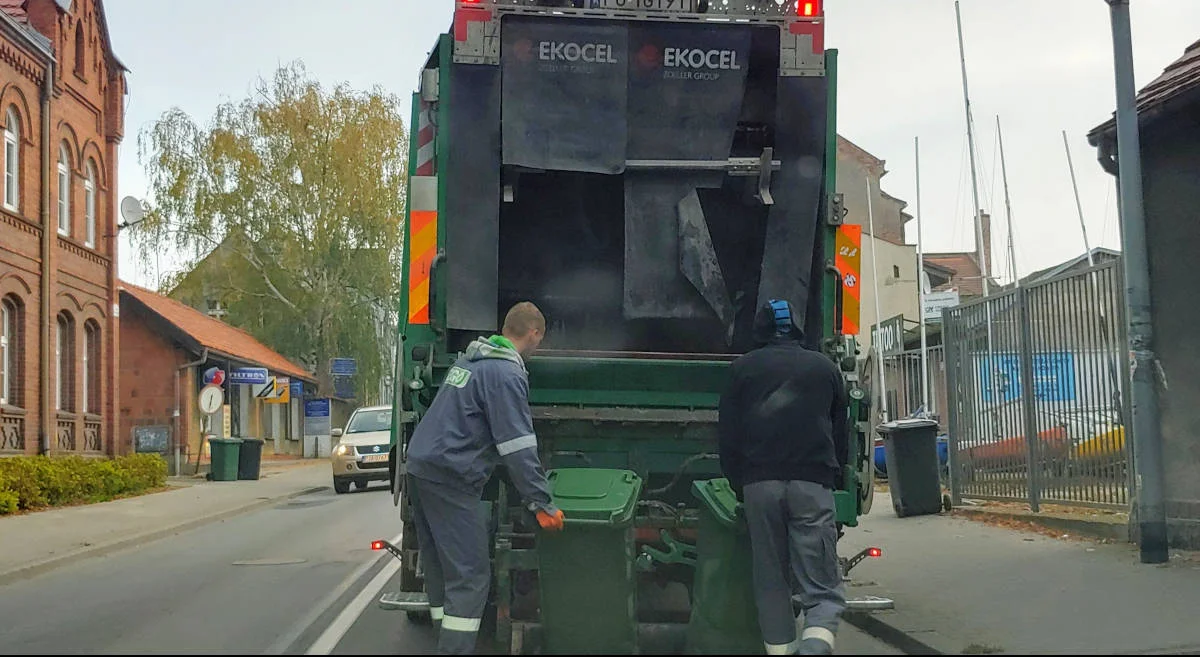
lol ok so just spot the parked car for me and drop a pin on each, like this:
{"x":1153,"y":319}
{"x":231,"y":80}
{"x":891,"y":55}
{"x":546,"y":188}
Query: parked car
{"x":361,"y":455}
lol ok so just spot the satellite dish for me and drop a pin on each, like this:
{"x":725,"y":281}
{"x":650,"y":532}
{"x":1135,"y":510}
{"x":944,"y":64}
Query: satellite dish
{"x":131,"y":210}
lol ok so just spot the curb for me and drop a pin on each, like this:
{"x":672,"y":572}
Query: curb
{"x":41,"y":567}
{"x":888,"y":633}
{"x":1118,"y":532}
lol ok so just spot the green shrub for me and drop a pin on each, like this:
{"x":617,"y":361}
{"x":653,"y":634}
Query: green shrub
{"x":8,"y":502}
{"x":39,"y":481}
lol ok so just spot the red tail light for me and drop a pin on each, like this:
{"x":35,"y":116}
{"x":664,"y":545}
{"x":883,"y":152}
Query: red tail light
{"x":808,"y":8}
{"x":376,"y":545}
{"x":874,"y":552}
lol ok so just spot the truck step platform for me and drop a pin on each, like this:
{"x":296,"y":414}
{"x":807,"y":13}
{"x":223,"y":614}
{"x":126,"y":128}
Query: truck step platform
{"x":404,"y":601}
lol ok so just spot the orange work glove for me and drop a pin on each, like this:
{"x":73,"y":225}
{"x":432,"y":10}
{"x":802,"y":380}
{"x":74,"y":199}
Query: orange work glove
{"x":551,"y":522}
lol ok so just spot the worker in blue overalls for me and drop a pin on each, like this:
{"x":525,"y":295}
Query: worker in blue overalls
{"x":783,"y":446}
{"x":479,"y":418}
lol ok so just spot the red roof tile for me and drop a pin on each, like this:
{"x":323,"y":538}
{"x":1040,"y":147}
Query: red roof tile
{"x":1181,"y":76}
{"x":14,"y":8}
{"x":215,"y":335}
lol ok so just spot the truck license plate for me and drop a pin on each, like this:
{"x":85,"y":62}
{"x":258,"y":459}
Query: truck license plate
{"x":681,"y":6}
{"x":375,"y":458}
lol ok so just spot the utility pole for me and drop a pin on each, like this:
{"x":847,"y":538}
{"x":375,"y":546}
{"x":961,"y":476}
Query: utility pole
{"x":921,"y":284}
{"x":875,"y":288}
{"x":984,"y":269}
{"x":1012,"y":249}
{"x":1149,"y":487}
{"x":1087,"y":245}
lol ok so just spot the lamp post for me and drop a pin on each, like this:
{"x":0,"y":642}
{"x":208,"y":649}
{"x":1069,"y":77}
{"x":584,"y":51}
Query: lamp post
{"x":1149,"y":487}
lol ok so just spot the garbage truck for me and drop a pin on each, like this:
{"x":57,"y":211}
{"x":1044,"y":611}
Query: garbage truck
{"x":646,"y":172}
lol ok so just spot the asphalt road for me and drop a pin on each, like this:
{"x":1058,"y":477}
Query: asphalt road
{"x":296,"y":578}
{"x":243,"y":585}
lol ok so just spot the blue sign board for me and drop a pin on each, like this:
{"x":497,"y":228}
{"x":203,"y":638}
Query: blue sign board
{"x":297,"y":389}
{"x":248,"y":376}
{"x":343,"y":387}
{"x":1053,"y":377}
{"x":316,"y":408}
{"x":343,"y":367}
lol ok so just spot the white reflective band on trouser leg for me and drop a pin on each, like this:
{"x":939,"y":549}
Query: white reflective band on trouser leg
{"x":818,"y":633}
{"x":436,"y":613}
{"x":460,"y":624}
{"x":780,"y":648}
{"x":516,"y":444}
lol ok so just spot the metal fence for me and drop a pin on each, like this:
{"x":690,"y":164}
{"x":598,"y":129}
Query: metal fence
{"x":902,"y":376}
{"x":1037,"y":393}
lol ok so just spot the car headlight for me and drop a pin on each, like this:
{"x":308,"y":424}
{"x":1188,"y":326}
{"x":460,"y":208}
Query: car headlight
{"x":342,"y":450}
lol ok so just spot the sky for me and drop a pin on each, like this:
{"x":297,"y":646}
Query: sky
{"x":1041,"y":66}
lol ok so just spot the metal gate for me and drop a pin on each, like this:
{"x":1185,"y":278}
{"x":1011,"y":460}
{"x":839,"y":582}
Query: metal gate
{"x":1037,"y":392}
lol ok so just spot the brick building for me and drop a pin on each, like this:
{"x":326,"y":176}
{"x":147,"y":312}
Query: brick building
{"x":61,"y":118}
{"x":168,"y":346}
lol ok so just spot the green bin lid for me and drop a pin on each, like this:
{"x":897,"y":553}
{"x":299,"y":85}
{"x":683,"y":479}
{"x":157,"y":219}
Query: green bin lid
{"x":719,"y":499}
{"x":595,"y":494}
{"x":225,"y":441}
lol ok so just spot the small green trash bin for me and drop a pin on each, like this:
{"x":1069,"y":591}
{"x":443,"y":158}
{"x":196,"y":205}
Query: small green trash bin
{"x":250,"y":458}
{"x":724,"y":618}
{"x":225,"y":453}
{"x":585,"y":572}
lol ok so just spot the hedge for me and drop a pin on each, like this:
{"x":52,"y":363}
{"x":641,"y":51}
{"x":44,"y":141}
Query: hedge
{"x":37,"y":482}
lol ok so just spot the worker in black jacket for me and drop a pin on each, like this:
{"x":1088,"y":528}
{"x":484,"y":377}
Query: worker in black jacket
{"x":783,"y":445}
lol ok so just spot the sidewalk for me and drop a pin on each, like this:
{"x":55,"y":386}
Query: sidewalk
{"x":964,"y":587}
{"x":34,"y":543}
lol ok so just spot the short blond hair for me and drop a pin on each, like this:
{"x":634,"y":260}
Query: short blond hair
{"x":523,"y":318}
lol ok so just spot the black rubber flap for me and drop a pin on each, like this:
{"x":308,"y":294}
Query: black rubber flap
{"x":473,"y":205}
{"x":548,"y":66}
{"x":686,"y":85}
{"x":789,"y":268}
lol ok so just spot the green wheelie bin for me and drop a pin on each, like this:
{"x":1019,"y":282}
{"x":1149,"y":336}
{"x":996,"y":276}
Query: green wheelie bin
{"x":226,"y":454}
{"x":724,"y":618}
{"x":585,"y":572}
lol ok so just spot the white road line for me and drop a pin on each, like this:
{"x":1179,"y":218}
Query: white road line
{"x":286,"y":640}
{"x":340,"y":625}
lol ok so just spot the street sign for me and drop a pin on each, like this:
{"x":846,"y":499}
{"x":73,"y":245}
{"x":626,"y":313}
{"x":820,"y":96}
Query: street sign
{"x":264,"y":390}
{"x":316,"y":417}
{"x":211,"y":398}
{"x":248,"y":376}
{"x":283,"y":391}
{"x":343,"y":367}
{"x":888,"y":336}
{"x":343,"y":387}
{"x":936,"y":302}
{"x":297,"y":389}
{"x":214,"y":375}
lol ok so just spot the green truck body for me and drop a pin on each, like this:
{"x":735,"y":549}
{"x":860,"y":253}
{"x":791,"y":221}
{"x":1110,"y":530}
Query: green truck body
{"x":630,"y":377}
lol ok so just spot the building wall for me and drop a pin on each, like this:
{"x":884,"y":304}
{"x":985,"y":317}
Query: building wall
{"x":897,"y":294}
{"x":147,"y":376}
{"x":1171,"y":156}
{"x":854,"y":168}
{"x":85,"y":114}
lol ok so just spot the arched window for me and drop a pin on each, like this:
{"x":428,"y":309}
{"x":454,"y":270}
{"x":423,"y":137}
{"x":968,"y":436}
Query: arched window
{"x":64,"y":191}
{"x":64,"y":364}
{"x":12,"y":159}
{"x":12,"y":326}
{"x":91,"y":368}
{"x":79,"y":49}
{"x":89,"y":205}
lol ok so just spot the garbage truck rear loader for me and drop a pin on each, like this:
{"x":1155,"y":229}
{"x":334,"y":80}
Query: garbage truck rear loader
{"x":646,"y":172}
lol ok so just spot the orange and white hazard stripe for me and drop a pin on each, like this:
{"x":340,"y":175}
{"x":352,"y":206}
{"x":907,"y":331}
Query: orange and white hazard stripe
{"x":848,"y":260}
{"x":422,"y":218}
